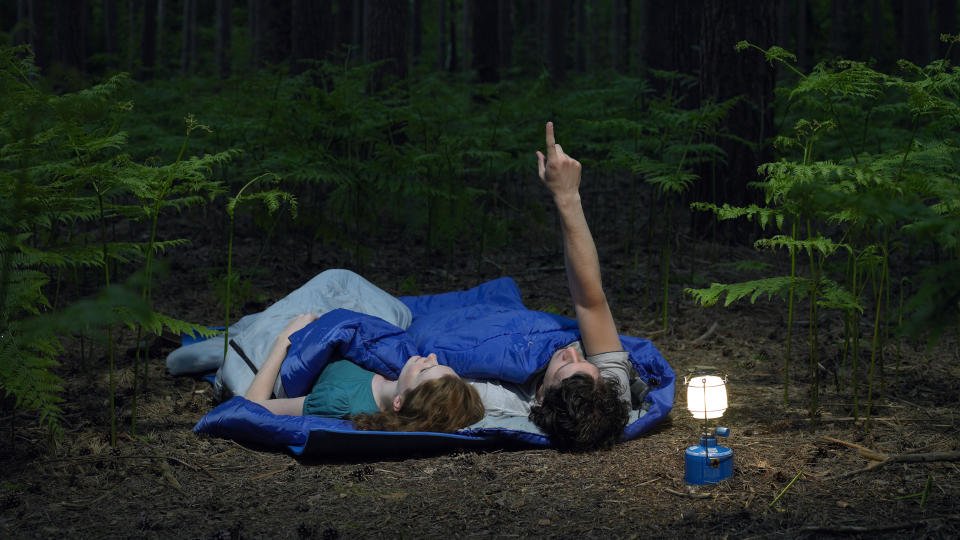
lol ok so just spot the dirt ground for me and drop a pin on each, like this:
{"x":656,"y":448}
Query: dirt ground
{"x":791,"y":478}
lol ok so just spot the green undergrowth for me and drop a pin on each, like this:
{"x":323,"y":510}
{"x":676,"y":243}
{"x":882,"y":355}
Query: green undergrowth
{"x":863,"y":205}
{"x":862,"y":202}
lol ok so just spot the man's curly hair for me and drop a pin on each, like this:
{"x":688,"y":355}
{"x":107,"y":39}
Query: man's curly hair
{"x":581,"y":414}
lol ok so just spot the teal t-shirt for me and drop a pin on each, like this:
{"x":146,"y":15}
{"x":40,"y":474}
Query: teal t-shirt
{"x":342,"y":389}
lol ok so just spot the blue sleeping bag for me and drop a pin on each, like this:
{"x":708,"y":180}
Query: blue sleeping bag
{"x":484,"y":332}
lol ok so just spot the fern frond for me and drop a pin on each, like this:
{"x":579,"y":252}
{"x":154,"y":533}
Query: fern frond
{"x":779,"y":286}
{"x":825,"y":246}
{"x":763,"y":215}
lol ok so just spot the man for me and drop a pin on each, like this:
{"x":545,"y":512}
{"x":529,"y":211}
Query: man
{"x":581,"y":399}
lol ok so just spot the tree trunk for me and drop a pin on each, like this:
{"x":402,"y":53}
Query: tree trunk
{"x":189,"y":30}
{"x":161,"y":55}
{"x":358,"y":25}
{"x":309,"y":33}
{"x":915,"y":35}
{"x":593,"y":51}
{"x":417,"y":30}
{"x":253,"y":21}
{"x":452,"y":59}
{"x":442,"y":54}
{"x":272,"y":31}
{"x":341,"y":27}
{"x":467,"y":36}
{"x":133,"y":9}
{"x":24,"y":24}
{"x":580,"y":29}
{"x":946,"y":17}
{"x":620,"y":35}
{"x":670,"y":35}
{"x":385,"y":25}
{"x":876,"y":30}
{"x":486,"y":51}
{"x":846,"y":28}
{"x":148,"y":41}
{"x":557,"y":17}
{"x":725,"y":73}
{"x":69,"y":42}
{"x":803,"y":59}
{"x":224,"y":29}
{"x":541,"y":11}
{"x":505,"y":29}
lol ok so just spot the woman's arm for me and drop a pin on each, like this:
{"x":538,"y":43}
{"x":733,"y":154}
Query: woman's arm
{"x":262,"y":386}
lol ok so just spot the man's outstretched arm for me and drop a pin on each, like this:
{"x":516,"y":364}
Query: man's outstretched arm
{"x":561,"y":174}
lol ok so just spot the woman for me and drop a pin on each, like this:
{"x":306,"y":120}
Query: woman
{"x":425,"y":397}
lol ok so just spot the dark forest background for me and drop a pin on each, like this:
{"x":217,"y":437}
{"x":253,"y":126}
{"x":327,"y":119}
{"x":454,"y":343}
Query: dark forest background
{"x":80,"y":41}
{"x":822,"y":131}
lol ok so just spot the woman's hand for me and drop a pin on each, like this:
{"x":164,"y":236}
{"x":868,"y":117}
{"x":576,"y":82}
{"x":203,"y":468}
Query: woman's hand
{"x":559,"y":172}
{"x":297,"y":323}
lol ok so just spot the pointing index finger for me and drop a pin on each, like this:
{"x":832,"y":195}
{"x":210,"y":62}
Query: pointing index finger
{"x":551,"y":142}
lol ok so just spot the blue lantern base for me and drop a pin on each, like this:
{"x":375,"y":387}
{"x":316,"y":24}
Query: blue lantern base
{"x":707,"y":463}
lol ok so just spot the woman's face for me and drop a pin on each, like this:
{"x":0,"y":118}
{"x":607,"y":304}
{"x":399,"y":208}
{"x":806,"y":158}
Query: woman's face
{"x":420,"y":369}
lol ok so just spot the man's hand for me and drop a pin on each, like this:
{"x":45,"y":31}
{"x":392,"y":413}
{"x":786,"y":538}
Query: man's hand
{"x":559,"y":172}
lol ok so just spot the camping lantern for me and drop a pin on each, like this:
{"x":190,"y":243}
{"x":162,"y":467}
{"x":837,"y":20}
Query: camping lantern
{"x":707,"y":463}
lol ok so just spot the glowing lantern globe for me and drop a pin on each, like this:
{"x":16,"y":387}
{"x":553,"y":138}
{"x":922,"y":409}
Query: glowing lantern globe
{"x":707,"y":463}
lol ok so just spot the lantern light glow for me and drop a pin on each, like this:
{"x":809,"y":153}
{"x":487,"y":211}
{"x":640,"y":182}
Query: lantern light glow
{"x":706,"y":397}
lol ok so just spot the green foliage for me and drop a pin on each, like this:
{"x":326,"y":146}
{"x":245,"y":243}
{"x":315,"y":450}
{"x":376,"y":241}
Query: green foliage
{"x":62,"y":170}
{"x":877,"y":169}
{"x":779,"y":286}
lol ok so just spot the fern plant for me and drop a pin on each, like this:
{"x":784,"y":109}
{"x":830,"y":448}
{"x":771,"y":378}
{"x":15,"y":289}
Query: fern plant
{"x":875,"y":194}
{"x":272,"y":199}
{"x":180,"y":185}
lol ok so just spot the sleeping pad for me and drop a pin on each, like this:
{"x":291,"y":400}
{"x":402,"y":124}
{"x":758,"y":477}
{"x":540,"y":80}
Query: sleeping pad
{"x":484,"y":333}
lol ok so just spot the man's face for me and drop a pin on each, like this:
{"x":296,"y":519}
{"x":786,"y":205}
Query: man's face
{"x":567,"y":362}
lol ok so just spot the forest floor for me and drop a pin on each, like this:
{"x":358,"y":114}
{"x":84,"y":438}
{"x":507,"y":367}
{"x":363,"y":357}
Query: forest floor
{"x":168,"y":482}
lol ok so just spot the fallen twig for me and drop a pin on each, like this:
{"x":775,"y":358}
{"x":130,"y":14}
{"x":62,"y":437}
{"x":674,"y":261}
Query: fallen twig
{"x":104,"y":457}
{"x":927,"y":457}
{"x":784,"y":490}
{"x":862,"y":450}
{"x":682,"y":494}
{"x":650,"y":481}
{"x":266,"y":474}
{"x":865,"y":529}
{"x":167,"y":474}
{"x":705,"y":335}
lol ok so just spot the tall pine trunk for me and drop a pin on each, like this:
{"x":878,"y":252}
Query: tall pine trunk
{"x":946,"y":20}
{"x":385,"y":39}
{"x":556,"y":39}
{"x":309,"y":33}
{"x":486,"y":51}
{"x":188,"y":43}
{"x":505,"y":33}
{"x":417,"y":30}
{"x":915,"y":35}
{"x":224,"y":29}
{"x":466,"y":36}
{"x":68,"y":46}
{"x":443,"y":60}
{"x":725,"y":73}
{"x":846,"y":28}
{"x":148,"y":41}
